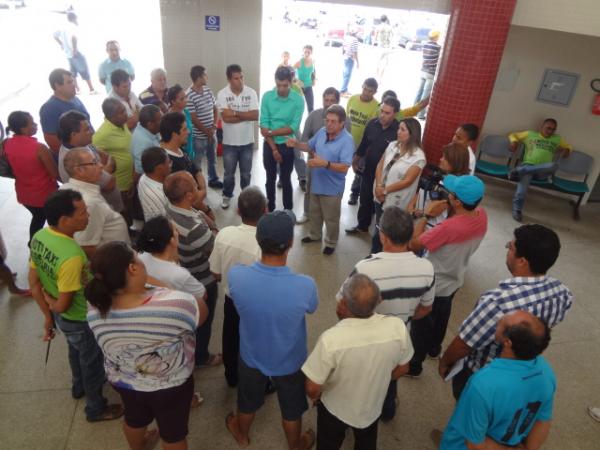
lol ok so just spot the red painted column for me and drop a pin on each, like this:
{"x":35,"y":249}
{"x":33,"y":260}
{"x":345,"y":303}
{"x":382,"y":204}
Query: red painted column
{"x":474,"y":44}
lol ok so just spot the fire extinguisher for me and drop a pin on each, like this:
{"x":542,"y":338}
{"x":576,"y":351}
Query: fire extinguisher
{"x":595,"y":85}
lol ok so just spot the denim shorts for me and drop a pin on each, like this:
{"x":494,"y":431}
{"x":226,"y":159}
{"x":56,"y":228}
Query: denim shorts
{"x":290,"y":392}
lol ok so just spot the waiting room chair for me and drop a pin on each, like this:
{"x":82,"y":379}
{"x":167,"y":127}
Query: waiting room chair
{"x":498,"y":148}
{"x":577,"y":165}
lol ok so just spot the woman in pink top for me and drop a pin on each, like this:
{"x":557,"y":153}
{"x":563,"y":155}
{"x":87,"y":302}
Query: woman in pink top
{"x":32,"y":165}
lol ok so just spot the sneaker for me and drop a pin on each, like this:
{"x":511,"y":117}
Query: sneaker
{"x":225,"y":202}
{"x":303,"y":185}
{"x":355,"y":230}
{"x":414,"y":373}
{"x":353,"y":200}
{"x":302,"y":219}
{"x":328,"y":250}
{"x":216,"y":184}
{"x":594,"y":412}
{"x":517,"y":216}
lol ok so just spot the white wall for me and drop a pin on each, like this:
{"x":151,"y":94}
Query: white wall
{"x":573,"y":16}
{"x":528,"y":53}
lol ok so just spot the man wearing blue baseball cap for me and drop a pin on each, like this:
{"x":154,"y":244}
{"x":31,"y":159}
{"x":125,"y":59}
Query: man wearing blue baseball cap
{"x":449,"y":247}
{"x":272,"y":302}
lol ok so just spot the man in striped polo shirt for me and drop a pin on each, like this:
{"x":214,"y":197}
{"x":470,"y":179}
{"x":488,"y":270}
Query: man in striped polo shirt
{"x":406,"y":281}
{"x":203,"y":108}
{"x":350,"y":52}
{"x":431,"y":56}
{"x":530,"y":255}
{"x":196,"y":240}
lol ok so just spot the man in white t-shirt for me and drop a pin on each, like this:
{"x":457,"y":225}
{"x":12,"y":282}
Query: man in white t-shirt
{"x":121,"y":90}
{"x":466,"y":135}
{"x":157,"y":166}
{"x":238,"y":106}
{"x":236,"y":245}
{"x":105,"y":224}
{"x":350,"y":368}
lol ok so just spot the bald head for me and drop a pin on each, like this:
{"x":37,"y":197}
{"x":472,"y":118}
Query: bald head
{"x":361,"y":295}
{"x":525,"y":334}
{"x":177,"y":185}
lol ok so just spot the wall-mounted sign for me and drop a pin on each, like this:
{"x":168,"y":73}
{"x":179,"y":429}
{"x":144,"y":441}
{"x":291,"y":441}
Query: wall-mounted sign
{"x":557,"y":87}
{"x":212,"y":23}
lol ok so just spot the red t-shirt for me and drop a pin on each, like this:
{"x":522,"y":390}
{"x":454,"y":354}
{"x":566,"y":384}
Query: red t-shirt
{"x":33,"y":183}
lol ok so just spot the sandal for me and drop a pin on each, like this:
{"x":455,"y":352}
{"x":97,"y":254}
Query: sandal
{"x":212,"y":361}
{"x":111,"y":412}
{"x":197,"y":400}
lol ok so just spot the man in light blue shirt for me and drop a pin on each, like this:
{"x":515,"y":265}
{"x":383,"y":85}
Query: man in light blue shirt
{"x":272,"y":302}
{"x":113,"y":63}
{"x":145,"y":135}
{"x":331,"y":152}
{"x":509,"y":402}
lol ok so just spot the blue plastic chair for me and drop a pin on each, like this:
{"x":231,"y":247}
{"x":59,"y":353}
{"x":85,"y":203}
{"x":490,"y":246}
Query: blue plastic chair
{"x":578,"y":164}
{"x":498,"y":147}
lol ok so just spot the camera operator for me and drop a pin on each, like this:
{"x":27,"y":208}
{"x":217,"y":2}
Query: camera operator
{"x":431,"y":192}
{"x":449,"y":247}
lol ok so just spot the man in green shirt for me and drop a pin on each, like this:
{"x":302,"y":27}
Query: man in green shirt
{"x":542,"y":150}
{"x":360,"y":109}
{"x":281,"y":111}
{"x":57,"y":274}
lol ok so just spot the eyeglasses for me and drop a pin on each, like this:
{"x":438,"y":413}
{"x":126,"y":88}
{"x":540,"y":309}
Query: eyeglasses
{"x":95,"y":162}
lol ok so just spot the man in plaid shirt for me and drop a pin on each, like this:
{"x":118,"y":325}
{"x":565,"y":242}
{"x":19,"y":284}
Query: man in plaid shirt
{"x":530,"y":255}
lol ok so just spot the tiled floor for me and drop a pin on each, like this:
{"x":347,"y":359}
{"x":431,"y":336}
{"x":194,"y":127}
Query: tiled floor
{"x":37,"y":412}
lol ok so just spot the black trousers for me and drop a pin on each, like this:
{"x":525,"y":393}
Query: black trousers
{"x":309,"y":97}
{"x":285,"y":174}
{"x":460,"y":381}
{"x":203,"y":331}
{"x":366,"y":207}
{"x":230,"y":341}
{"x":331,"y":432}
{"x":38,"y":220}
{"x":428,"y":333}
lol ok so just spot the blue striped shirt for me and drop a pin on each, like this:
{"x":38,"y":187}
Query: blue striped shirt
{"x":431,"y":55}
{"x":543,"y":296}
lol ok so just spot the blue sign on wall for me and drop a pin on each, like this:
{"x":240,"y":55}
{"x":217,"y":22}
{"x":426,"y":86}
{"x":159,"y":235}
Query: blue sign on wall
{"x":212,"y":23}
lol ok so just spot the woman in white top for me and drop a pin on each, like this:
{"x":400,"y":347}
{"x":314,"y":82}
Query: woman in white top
{"x":397,"y":174}
{"x":157,"y":244}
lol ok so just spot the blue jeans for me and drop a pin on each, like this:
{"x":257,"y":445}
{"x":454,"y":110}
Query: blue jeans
{"x":232,"y":154}
{"x":424,"y":90}
{"x":526,"y":172}
{"x":203,"y":148}
{"x":286,"y":166}
{"x":87,"y":364}
{"x":348,"y":66}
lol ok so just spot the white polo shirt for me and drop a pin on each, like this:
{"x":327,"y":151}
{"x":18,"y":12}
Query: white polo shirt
{"x":132,"y":104}
{"x":238,"y":133}
{"x":233,"y":245}
{"x":152,"y":197}
{"x":104,"y":225}
{"x":353,"y":361}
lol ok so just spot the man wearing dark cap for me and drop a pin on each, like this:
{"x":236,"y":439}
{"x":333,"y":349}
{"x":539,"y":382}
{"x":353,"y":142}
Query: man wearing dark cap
{"x":449,"y":247}
{"x":272,"y":302}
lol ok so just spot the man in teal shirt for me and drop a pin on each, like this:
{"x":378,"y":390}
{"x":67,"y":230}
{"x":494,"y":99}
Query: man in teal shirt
{"x":281,"y":111}
{"x":539,"y":160}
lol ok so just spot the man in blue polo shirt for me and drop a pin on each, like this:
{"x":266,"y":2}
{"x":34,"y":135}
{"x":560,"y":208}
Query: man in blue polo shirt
{"x":509,"y":402}
{"x":331,"y":152}
{"x":63,"y":99}
{"x":272,"y":302}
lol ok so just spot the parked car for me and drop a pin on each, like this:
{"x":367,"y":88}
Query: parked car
{"x":414,"y":40}
{"x":309,"y":23}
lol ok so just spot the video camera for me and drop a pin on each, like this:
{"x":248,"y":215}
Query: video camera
{"x":431,"y":183}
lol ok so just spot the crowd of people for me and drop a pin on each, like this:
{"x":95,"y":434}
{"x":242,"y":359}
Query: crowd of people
{"x":132,"y":257}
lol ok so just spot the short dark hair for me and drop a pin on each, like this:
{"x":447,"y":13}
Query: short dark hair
{"x":197,"y":72}
{"x":470,"y":207}
{"x":393,"y":102}
{"x":251,"y":203}
{"x":231,"y":69}
{"x":550,"y":119}
{"x":155,"y":235}
{"x":396,"y":224}
{"x":112,"y":41}
{"x":176,"y":186}
{"x":457,"y":156}
{"x":372,"y":83}
{"x":332,"y":91}
{"x":173,"y":92}
{"x":57,"y":77}
{"x":60,"y":204}
{"x":471,"y":130}
{"x":389,"y":93}
{"x":118,"y":76}
{"x":69,"y":123}
{"x":152,"y":157}
{"x":338,"y":111}
{"x":284,"y":73}
{"x":147,"y":114}
{"x":17,"y":120}
{"x":526,"y":344}
{"x":539,"y":245}
{"x":171,"y":124}
{"x":110,"y":106}
{"x":270,"y":247}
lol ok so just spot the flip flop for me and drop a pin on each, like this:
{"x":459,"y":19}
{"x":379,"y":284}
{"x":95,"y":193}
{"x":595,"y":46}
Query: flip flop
{"x":227,"y":422}
{"x":197,"y":400}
